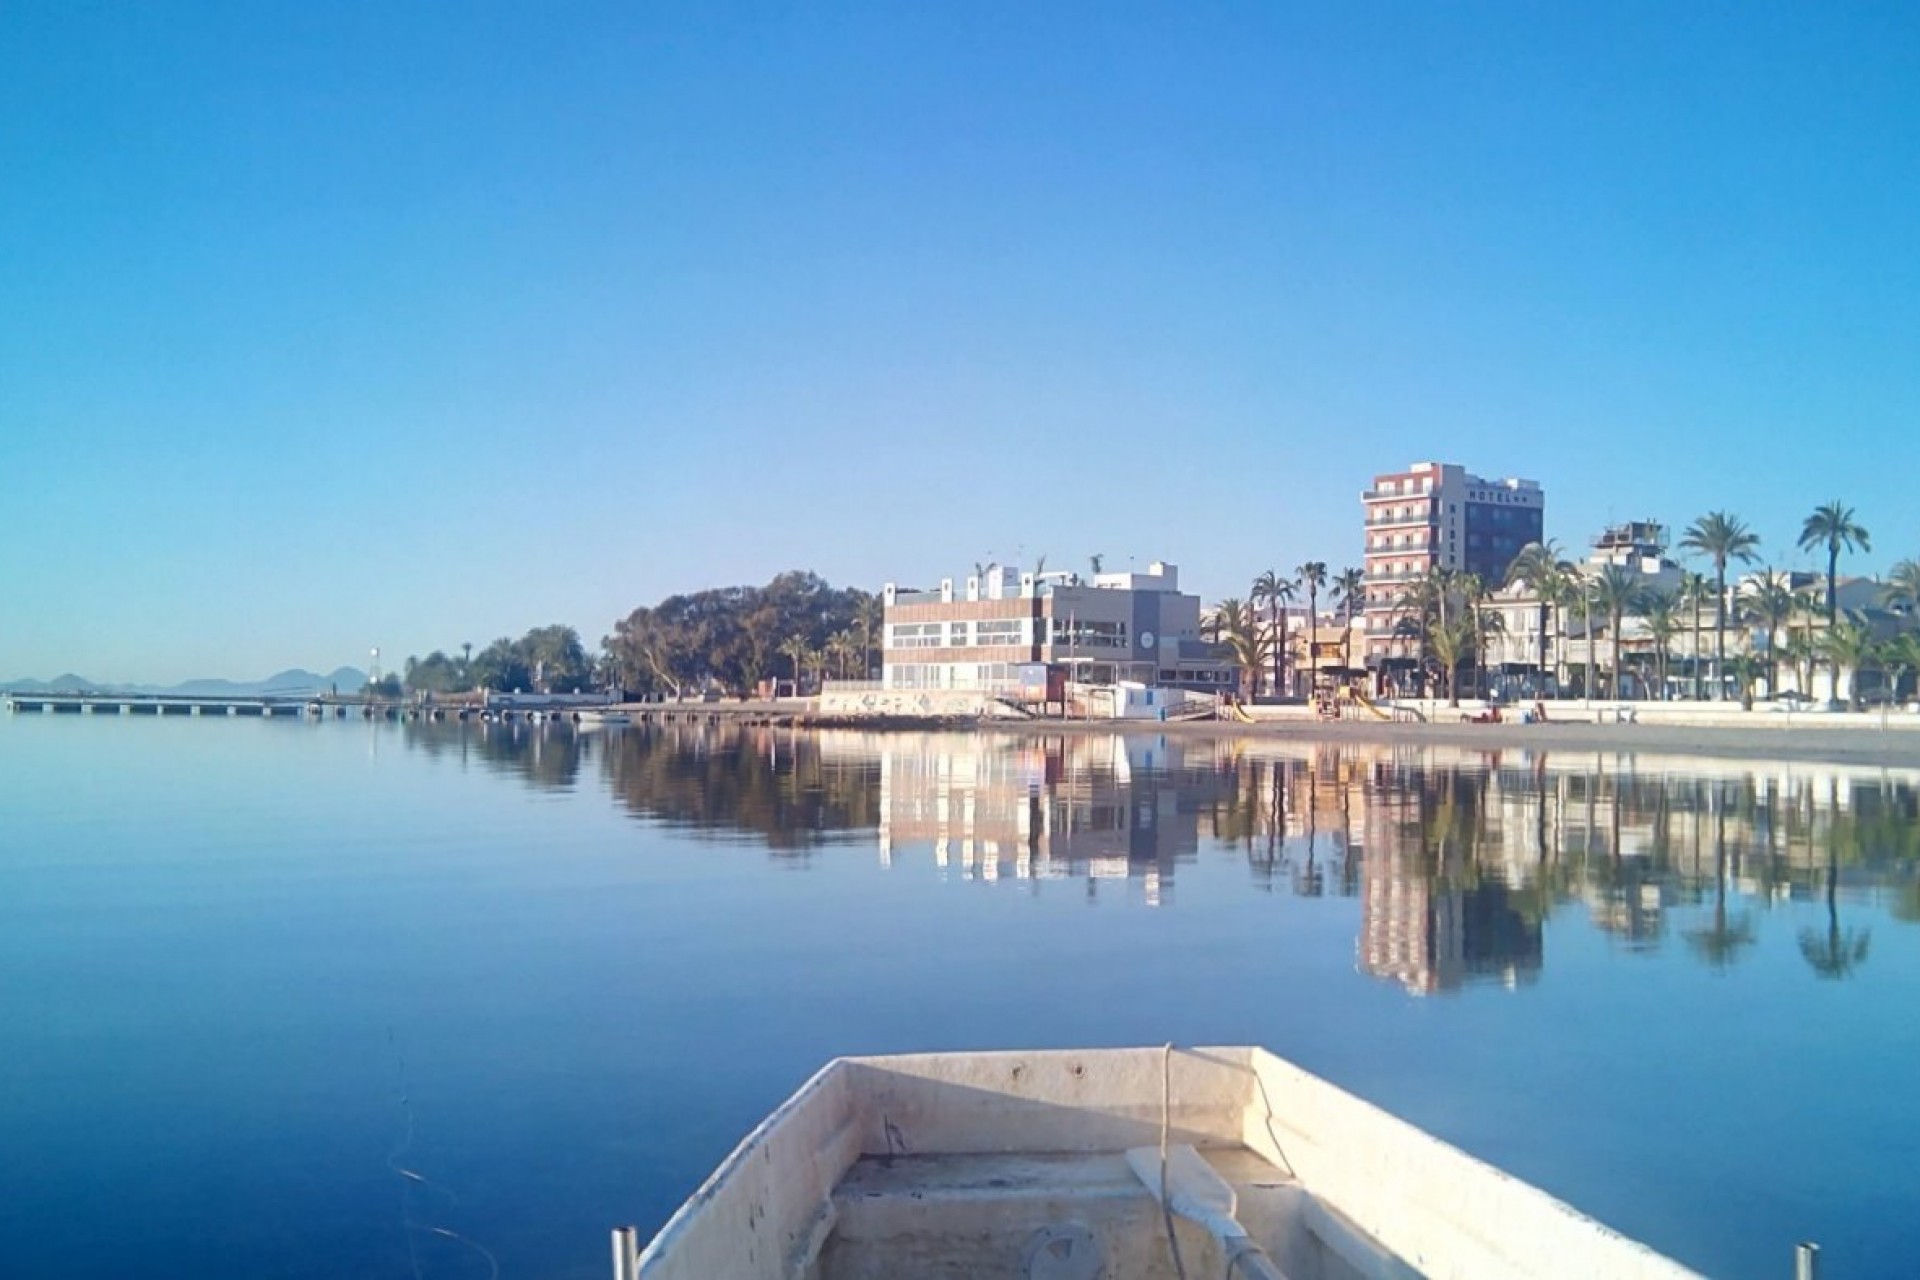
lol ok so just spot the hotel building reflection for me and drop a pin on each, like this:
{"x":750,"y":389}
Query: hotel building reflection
{"x":1041,"y":808}
{"x":1429,"y":919}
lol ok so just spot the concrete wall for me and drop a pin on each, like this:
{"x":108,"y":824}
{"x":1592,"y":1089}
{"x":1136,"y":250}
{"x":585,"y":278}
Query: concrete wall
{"x":902,"y":703}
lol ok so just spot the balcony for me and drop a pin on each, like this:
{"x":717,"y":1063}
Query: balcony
{"x":1422,"y":516}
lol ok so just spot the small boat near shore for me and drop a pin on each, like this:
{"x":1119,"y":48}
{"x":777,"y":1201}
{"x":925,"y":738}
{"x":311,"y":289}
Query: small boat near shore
{"x":1111,"y":1164}
{"x":591,"y":719}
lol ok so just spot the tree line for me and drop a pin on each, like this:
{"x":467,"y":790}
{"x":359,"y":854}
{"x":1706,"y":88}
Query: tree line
{"x":798,"y":626}
{"x":1260,"y":645}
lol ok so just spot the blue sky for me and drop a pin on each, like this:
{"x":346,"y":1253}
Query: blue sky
{"x":329,"y":326}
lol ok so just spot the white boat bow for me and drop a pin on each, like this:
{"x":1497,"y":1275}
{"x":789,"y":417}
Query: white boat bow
{"x":1018,"y":1165}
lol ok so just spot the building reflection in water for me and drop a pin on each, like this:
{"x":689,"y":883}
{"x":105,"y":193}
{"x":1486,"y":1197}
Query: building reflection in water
{"x":1458,"y":858}
{"x":1042,"y":807}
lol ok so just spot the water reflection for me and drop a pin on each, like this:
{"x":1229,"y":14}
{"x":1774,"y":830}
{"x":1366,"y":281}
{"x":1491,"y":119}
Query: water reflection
{"x":1459,"y":859}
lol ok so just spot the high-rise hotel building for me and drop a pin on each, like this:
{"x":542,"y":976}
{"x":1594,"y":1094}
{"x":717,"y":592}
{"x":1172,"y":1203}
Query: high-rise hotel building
{"x":1438,"y":515}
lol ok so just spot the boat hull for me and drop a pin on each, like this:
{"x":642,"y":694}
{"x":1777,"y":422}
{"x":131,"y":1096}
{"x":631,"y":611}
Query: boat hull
{"x":959,"y":1164}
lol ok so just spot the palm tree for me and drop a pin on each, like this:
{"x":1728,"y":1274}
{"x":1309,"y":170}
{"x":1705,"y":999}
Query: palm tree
{"x":1540,"y":567}
{"x":1694,"y":591}
{"x":799,"y":652}
{"x":1451,"y":641}
{"x":842,"y":648}
{"x":1312,"y":576}
{"x":1899,"y":657}
{"x":1474,"y":596}
{"x":1615,"y":591}
{"x":1834,"y":528}
{"x":1849,"y":647}
{"x":1903,"y":586}
{"x":1274,"y":591}
{"x":870,"y":616}
{"x":1721,"y":538}
{"x":1350,"y":591}
{"x":1661,"y":609}
{"x":1745,"y":669}
{"x":1234,"y":624}
{"x":1769,"y":599}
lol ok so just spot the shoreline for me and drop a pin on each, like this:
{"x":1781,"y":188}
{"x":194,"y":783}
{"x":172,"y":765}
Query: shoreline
{"x":1853,"y":745}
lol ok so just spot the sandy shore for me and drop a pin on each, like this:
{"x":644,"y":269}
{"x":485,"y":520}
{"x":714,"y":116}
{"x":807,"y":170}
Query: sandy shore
{"x":1852,"y":744}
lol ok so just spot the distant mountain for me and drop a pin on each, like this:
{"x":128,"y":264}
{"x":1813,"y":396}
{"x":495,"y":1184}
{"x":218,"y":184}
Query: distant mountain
{"x":68,"y":683}
{"x":292,"y":681}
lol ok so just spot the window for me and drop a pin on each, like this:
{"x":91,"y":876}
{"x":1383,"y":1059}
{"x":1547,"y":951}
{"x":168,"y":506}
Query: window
{"x":1089,"y":635}
{"x":998,"y":631}
{"x":915,"y":635}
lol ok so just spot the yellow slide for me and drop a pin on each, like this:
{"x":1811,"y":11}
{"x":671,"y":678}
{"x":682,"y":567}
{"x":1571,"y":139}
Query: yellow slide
{"x":1368,"y":703}
{"x":1240,"y":714}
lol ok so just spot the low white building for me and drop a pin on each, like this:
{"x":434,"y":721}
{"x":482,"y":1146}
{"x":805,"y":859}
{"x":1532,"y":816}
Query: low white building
{"x":980,"y":632}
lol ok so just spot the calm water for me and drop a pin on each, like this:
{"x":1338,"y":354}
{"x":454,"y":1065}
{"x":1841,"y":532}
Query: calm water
{"x":341,"y":999}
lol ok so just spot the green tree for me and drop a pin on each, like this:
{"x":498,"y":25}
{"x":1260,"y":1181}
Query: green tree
{"x":1451,"y":643}
{"x":1350,"y":594}
{"x":1848,"y":646}
{"x":1900,"y":657}
{"x":502,"y":668}
{"x":1722,"y":538}
{"x":869,"y":615}
{"x":1275,"y":592}
{"x":1615,"y":592}
{"x":436,"y":674}
{"x":796,"y":650}
{"x":1768,"y":600}
{"x":1313,"y":577}
{"x":556,"y":659}
{"x":1833,"y":528}
{"x":1661,"y":612}
{"x":1540,"y":567}
{"x":1903,"y":586}
{"x":1235,"y":624}
{"x":1695,"y":591}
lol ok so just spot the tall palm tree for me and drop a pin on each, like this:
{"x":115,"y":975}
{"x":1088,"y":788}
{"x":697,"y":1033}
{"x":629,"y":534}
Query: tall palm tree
{"x":1350,"y":593}
{"x":1834,"y":528}
{"x":1768,"y":599}
{"x":870,"y":616}
{"x":1540,"y":567}
{"x":1312,"y":576}
{"x":1474,"y":597}
{"x":1695,"y":590}
{"x":1274,"y":591}
{"x":800,"y":653}
{"x":1615,"y":592}
{"x":1721,"y":538}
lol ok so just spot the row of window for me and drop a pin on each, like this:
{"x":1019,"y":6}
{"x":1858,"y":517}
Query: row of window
{"x":1007,"y":632}
{"x":958,"y":635}
{"x":1384,"y":541}
{"x":1080,"y":634}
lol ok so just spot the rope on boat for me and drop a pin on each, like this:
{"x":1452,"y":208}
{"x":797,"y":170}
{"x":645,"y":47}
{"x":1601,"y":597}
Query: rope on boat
{"x":1166,"y":1125}
{"x":409,"y":1178}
